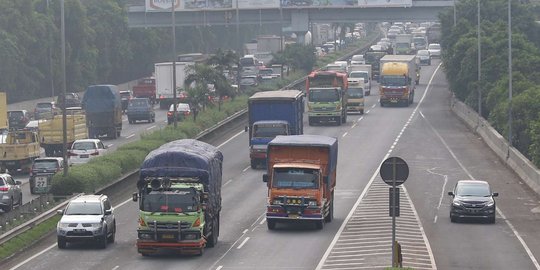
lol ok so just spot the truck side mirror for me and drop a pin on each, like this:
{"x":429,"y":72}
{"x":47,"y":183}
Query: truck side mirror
{"x":265,"y":178}
{"x":135,"y":196}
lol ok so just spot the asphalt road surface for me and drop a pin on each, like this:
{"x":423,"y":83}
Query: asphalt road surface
{"x":439,"y":150}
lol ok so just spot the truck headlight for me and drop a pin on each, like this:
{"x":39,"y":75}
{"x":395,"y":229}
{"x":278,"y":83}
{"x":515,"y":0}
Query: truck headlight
{"x":277,"y":201}
{"x":145,"y":236}
{"x":312,"y":203}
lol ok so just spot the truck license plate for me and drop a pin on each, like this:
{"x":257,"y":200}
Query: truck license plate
{"x":293,"y":216}
{"x":168,"y":236}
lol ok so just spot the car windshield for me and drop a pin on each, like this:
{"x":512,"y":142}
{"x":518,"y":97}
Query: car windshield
{"x":45,"y":164}
{"x":423,"y":53}
{"x":84,"y":146}
{"x":269,"y":130}
{"x":295,"y":178}
{"x":266,"y":72}
{"x":247,"y":80}
{"x":15,"y":114}
{"x":356,"y":92}
{"x":394,"y":80}
{"x":43,"y":105}
{"x":176,"y":201}
{"x":84,"y":208}
{"x":434,"y":47}
{"x":473,"y":190}
{"x":362,"y":75}
{"x":323,"y":95}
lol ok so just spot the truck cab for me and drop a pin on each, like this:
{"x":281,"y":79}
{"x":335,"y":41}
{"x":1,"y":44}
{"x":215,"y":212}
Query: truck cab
{"x":18,"y":149}
{"x":355,"y":102}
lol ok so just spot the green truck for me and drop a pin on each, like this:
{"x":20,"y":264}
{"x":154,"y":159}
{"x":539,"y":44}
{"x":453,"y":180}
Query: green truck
{"x":179,"y":195}
{"x":327,"y":97}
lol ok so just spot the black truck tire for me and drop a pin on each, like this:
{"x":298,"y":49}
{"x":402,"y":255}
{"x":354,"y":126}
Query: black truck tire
{"x":213,"y":239}
{"x":271,"y":224}
{"x":253,"y":164}
{"x":330,"y":215}
{"x":319,"y":224}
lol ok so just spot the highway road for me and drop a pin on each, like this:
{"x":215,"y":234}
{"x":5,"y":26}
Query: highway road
{"x":439,"y":150}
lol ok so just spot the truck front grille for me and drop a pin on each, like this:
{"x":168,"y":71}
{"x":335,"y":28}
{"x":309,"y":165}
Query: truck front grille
{"x":173,"y":226}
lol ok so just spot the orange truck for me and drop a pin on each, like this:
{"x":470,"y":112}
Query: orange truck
{"x":301,"y":179}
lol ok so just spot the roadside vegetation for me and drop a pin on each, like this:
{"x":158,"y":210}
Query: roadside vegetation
{"x":459,"y":45}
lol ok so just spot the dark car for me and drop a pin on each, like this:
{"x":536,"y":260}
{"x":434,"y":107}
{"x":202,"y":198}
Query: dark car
{"x":18,"y":119}
{"x":472,"y":199}
{"x":45,"y":110}
{"x":140,"y":109}
{"x":43,"y":170}
{"x":182,"y":111}
{"x":72,"y":100}
{"x":125,"y":96}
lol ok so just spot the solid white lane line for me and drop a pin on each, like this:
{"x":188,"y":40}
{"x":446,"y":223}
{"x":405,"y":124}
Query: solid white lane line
{"x":508,"y":223}
{"x":228,"y":182}
{"x":243,"y":243}
{"x":230,"y":139}
{"x":33,"y":257}
{"x":247,"y":168}
{"x":149,"y":128}
{"x":130,"y":136}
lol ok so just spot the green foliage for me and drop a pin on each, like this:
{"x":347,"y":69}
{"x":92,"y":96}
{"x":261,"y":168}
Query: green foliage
{"x":297,"y":56}
{"x":28,"y":238}
{"x":460,"y":53}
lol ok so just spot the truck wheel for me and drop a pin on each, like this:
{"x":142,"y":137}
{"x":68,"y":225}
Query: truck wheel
{"x":382,"y":104}
{"x":212,"y":241}
{"x":344,"y":118}
{"x":310,"y":121}
{"x":118,"y":133}
{"x":319,"y":224}
{"x":271,"y":224}
{"x":48,"y":151}
{"x":361,"y":111}
{"x":201,"y":251}
{"x":253,"y":164}
{"x":338,"y":121}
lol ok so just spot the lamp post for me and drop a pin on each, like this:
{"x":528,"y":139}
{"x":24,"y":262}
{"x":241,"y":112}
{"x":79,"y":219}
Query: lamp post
{"x":454,"y":12}
{"x":63,"y":94}
{"x":175,"y":120}
{"x":509,"y":76}
{"x":479,"y":64}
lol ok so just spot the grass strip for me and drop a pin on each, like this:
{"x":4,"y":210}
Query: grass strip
{"x":28,"y":238}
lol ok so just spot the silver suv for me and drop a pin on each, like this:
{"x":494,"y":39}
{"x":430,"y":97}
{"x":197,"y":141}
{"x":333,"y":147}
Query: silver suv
{"x":88,"y":217}
{"x":10,"y":192}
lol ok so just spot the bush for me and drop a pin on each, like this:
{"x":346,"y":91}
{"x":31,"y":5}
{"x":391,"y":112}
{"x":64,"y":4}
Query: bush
{"x":146,"y":145}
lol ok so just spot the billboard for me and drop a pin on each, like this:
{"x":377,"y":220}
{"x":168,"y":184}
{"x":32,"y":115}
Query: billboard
{"x":183,"y":5}
{"x":186,"y":5}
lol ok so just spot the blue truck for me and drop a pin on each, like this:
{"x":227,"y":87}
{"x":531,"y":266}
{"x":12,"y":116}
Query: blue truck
{"x":179,"y":195}
{"x":103,"y":108}
{"x":273,"y":113}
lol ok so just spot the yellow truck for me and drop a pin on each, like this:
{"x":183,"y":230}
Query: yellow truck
{"x":18,"y":150}
{"x":398,"y":78}
{"x":51,"y":135}
{"x":3,"y":112}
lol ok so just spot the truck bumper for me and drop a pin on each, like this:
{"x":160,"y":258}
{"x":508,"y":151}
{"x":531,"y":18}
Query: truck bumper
{"x":324,"y":116}
{"x":257,"y":155}
{"x":185,"y":247}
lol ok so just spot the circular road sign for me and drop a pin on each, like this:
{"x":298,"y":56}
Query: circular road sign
{"x":394,"y":169}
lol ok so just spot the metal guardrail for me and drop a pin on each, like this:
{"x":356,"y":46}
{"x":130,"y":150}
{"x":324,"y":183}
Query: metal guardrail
{"x":32,"y":208}
{"x":231,"y":120}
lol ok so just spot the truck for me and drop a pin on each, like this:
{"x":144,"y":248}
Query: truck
{"x":103,"y":110}
{"x":164,"y":89}
{"x":355,"y":101}
{"x":434,"y":33}
{"x":420,"y":43}
{"x":403,"y":44}
{"x":361,"y":72}
{"x":145,"y":88}
{"x":269,"y":43}
{"x":4,"y":123}
{"x":179,"y":197}
{"x":301,"y":178}
{"x":327,"y":97}
{"x":18,"y":149}
{"x":373,"y":58}
{"x":50,"y":132}
{"x":272,"y":113}
{"x":399,"y":75}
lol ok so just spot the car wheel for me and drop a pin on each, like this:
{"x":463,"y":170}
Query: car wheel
{"x":61,"y":242}
{"x":113,"y":234}
{"x":20,"y":200}
{"x":453,"y":219}
{"x":102,"y":242}
{"x":9,"y":207}
{"x":491,"y":219}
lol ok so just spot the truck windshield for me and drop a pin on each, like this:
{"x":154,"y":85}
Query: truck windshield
{"x":269,"y":130}
{"x":177,"y":201}
{"x":323,"y":95}
{"x":394,"y":80}
{"x":295,"y":178}
{"x":356,"y":92}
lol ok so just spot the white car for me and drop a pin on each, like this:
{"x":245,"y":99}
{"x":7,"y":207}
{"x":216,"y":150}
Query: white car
{"x":358,"y":59}
{"x":434,"y":50}
{"x":423,"y":57}
{"x":83,"y":150}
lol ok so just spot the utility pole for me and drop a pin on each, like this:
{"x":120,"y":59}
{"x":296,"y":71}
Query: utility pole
{"x":175,"y":120}
{"x":479,"y":62}
{"x":509,"y":75}
{"x":63,"y":94}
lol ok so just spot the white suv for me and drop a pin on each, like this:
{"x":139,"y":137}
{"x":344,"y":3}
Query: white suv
{"x":88,"y":217}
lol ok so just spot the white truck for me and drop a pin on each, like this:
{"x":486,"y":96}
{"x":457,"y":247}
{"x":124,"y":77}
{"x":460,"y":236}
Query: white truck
{"x":403,"y":44}
{"x":358,"y":72}
{"x":164,"y":89}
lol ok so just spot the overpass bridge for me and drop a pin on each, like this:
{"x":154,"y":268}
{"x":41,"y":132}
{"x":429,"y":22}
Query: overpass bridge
{"x":296,"y":13}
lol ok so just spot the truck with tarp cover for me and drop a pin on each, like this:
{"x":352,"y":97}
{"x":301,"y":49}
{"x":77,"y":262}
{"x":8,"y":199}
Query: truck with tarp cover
{"x":327,"y":97}
{"x":301,"y":179}
{"x":103,"y":108}
{"x":179,"y":195}
{"x":272,"y":113}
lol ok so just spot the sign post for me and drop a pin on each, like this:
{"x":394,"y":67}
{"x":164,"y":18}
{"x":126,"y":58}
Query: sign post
{"x":394,"y":171}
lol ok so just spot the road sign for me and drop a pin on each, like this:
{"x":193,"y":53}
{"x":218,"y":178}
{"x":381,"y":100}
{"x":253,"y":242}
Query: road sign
{"x":394,"y":169}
